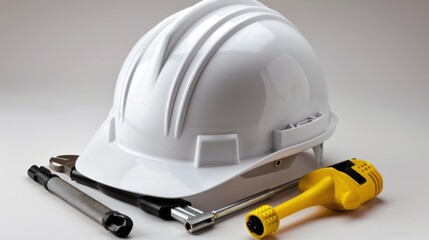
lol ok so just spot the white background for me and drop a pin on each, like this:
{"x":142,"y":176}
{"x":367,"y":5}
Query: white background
{"x":58,"y":66}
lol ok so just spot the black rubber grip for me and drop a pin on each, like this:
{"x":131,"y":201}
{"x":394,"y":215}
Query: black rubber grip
{"x":158,"y":207}
{"x":41,"y":175}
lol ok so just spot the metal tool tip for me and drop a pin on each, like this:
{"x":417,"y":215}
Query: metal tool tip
{"x":255,"y":225}
{"x":118,"y":224}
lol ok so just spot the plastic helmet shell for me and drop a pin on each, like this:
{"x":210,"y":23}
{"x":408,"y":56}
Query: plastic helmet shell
{"x":210,"y":93}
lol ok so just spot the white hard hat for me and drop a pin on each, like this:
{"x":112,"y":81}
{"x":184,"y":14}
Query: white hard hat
{"x":209,"y":94}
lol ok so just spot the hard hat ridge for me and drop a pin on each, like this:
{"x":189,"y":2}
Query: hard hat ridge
{"x":169,"y":33}
{"x":210,"y":93}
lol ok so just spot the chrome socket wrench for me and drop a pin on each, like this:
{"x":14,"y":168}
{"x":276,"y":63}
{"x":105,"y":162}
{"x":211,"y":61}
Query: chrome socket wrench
{"x":117,"y":223}
{"x":196,"y":220}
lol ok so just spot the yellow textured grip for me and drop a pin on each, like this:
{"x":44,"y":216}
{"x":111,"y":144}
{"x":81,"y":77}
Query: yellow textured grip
{"x":262,"y":221}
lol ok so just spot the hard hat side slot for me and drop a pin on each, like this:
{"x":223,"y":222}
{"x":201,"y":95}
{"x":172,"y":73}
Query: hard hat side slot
{"x":300,"y":132}
{"x":216,"y":150}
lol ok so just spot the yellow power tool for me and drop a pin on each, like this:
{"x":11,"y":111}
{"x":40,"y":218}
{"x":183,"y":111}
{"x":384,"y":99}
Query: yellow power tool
{"x":343,"y":186}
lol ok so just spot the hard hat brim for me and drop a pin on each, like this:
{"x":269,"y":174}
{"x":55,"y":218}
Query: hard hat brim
{"x":108,"y":163}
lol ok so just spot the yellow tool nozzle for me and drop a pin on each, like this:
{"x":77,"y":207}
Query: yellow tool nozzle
{"x":343,"y":186}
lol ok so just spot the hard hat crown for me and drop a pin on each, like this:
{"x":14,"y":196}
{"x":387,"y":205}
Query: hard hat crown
{"x":240,"y":71}
{"x":221,"y":84}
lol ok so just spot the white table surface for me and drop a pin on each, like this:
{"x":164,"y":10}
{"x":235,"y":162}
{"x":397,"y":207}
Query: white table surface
{"x":58,"y":66}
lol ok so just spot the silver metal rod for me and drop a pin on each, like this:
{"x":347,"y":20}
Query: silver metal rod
{"x":261,"y":196}
{"x":115,"y":222}
{"x":199,"y":221}
{"x":81,"y":201}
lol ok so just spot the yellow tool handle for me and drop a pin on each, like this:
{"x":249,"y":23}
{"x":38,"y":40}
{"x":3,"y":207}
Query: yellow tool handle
{"x":343,"y":186}
{"x":268,"y":218}
{"x":317,"y":195}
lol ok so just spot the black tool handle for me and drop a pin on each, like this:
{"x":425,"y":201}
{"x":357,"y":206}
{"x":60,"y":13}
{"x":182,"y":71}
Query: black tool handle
{"x":159,"y":207}
{"x":117,"y":223}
